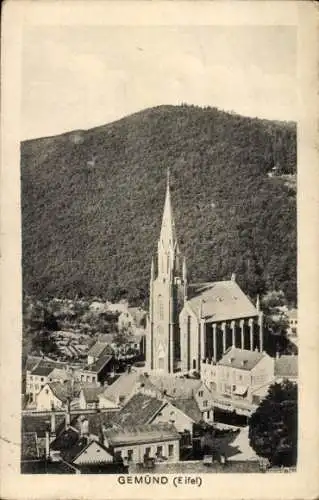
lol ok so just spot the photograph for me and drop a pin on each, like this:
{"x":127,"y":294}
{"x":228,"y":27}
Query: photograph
{"x":158,"y":173}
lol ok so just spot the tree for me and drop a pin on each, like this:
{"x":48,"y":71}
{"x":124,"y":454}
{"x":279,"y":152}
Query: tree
{"x":273,"y":426}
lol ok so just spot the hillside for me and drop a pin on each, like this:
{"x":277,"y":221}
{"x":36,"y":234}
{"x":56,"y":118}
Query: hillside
{"x":92,"y":202}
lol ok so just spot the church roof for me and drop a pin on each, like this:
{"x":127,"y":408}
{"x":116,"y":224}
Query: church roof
{"x":221,"y":301}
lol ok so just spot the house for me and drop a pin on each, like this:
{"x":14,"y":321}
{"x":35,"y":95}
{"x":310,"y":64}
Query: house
{"x":93,"y":397}
{"x":38,"y":376}
{"x":137,"y":443}
{"x":144,"y":409}
{"x":123,"y":388}
{"x":55,"y":395}
{"x":286,"y":368}
{"x":118,"y":307}
{"x":77,"y":448}
{"x":292,"y":315}
{"x":179,"y":388}
{"x":97,"y":307}
{"x":60,"y":375}
{"x":97,"y":372}
{"x":238,"y":374}
{"x":131,"y":319}
{"x":98,"y":350}
{"x":182,"y":413}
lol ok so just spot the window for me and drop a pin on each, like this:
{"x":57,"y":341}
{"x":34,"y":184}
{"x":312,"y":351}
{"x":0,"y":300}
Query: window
{"x":194,"y":364}
{"x":159,"y":451}
{"x":147,"y":451}
{"x":42,"y":379}
{"x":205,"y":402}
{"x":130,"y":455}
{"x":170,"y":450}
{"x":240,"y":377}
{"x":200,"y":394}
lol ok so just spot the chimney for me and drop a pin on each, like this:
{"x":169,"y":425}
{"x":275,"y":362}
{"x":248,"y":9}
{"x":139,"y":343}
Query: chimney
{"x":277,"y":355}
{"x":233,"y":277}
{"x":52,"y":422}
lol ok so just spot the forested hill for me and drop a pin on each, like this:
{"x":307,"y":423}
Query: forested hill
{"x":92,"y":202}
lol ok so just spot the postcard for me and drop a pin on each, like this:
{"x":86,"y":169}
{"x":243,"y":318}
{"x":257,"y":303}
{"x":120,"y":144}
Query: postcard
{"x":159,"y":237}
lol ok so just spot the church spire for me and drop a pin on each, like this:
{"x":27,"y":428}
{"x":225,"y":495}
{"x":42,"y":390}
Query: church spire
{"x":168,"y":236}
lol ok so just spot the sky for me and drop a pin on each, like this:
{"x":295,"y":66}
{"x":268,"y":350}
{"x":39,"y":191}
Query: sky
{"x":77,"y":77}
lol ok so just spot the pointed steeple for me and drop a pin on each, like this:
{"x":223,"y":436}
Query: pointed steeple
{"x":168,"y":235}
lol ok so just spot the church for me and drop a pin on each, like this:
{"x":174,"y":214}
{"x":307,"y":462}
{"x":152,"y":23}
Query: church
{"x":194,"y":323}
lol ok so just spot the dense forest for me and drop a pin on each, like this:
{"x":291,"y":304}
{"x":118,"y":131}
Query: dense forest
{"x":92,"y":203}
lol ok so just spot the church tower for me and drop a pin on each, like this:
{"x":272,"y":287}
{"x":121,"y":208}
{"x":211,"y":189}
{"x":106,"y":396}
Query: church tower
{"x":168,"y":289}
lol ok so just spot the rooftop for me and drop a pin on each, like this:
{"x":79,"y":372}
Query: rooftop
{"x":189,"y":407}
{"x":175,"y":387}
{"x":100,"y":363}
{"x":60,"y":374}
{"x":141,"y":434}
{"x":123,"y":386}
{"x":39,"y":423}
{"x":140,"y":409}
{"x":95,"y":421}
{"x":44,"y":368}
{"x":91,"y":394}
{"x":67,"y":390}
{"x":241,"y":358}
{"x":221,"y":301}
{"x":98,"y":349}
{"x":32,"y":362}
